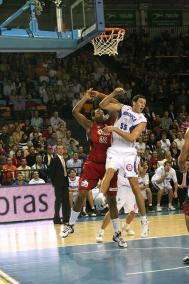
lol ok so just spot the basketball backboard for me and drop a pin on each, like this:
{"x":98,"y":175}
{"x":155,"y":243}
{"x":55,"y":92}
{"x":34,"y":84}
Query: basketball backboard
{"x":69,"y":25}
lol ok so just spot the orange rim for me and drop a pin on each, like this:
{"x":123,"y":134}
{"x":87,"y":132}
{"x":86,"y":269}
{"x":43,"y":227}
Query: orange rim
{"x":116,"y":30}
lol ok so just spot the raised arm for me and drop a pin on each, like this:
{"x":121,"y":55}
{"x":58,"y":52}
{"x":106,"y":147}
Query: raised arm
{"x":101,"y":96}
{"x":128,"y":136}
{"x":82,"y":120}
{"x":184,"y":154}
{"x":108,"y":104}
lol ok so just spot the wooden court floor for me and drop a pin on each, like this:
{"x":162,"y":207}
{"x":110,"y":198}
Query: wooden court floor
{"x":33,"y":252}
{"x":44,"y":234}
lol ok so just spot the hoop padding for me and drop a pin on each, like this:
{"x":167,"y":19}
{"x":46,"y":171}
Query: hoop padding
{"x":107,"y":42}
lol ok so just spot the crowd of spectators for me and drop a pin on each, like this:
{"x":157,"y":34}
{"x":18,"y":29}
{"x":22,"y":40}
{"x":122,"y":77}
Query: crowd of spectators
{"x":42,"y":90}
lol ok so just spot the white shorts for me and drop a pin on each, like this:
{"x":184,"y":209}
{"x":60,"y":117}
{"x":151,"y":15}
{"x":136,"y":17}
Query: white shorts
{"x":95,"y":192}
{"x":163,"y":187}
{"x":126,"y":199}
{"x":74,"y":195}
{"x":118,"y":158}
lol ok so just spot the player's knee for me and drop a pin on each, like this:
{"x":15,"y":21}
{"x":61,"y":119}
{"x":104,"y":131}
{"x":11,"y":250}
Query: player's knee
{"x":111,"y":199}
{"x":81,"y":197}
{"x":132,"y":214}
{"x":113,"y":209}
{"x":186,"y":208}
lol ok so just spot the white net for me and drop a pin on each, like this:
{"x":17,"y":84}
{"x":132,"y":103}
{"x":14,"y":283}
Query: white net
{"x":107,"y":42}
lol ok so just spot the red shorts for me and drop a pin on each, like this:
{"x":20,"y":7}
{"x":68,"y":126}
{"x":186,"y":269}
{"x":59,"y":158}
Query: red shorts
{"x":92,"y":173}
{"x":186,"y":207}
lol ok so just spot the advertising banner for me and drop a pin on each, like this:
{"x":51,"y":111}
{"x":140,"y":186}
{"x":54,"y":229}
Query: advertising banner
{"x":120,"y":18}
{"x":33,"y":202}
{"x":165,"y":18}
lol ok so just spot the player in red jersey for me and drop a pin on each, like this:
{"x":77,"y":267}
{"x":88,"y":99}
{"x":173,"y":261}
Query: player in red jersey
{"x":94,"y":167}
{"x":183,"y":164}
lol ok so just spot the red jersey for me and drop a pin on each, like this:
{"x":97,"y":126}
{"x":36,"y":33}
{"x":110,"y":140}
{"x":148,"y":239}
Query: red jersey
{"x":100,"y":142}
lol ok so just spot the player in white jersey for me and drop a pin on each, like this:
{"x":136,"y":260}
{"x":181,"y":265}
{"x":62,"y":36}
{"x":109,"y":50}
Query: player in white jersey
{"x":122,"y":153}
{"x":125,"y":199}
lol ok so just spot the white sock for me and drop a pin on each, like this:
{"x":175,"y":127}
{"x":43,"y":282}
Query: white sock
{"x":158,"y":204}
{"x":150,"y":204}
{"x":170,"y":204}
{"x":143,"y":219}
{"x":115,"y":223}
{"x":127,"y":226}
{"x":73,"y":217}
{"x":84,"y":209}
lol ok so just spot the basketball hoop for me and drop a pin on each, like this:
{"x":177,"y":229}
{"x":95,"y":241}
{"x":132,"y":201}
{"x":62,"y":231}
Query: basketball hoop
{"x":107,"y":42}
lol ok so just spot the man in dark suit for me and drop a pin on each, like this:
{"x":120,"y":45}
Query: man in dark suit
{"x":59,"y":178}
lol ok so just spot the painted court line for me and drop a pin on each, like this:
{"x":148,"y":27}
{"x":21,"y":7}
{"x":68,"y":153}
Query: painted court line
{"x":7,"y":278}
{"x":158,"y":270}
{"x":137,"y":239}
{"x":125,"y":249}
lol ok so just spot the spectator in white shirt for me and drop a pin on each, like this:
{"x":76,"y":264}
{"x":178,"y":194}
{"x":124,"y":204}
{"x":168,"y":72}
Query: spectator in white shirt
{"x":36,"y":179}
{"x":75,"y":163}
{"x":25,"y":170}
{"x":165,"y":142}
{"x":56,"y":121}
{"x":36,"y":121}
{"x":179,"y":140}
{"x":73,"y":186}
{"x":161,"y":181}
{"x":166,"y":121}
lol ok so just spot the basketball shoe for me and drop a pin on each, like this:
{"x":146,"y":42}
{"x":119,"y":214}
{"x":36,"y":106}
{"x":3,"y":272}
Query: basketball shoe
{"x":128,"y":230}
{"x":186,"y":259}
{"x":100,"y":236}
{"x":119,"y":240}
{"x":144,"y":229}
{"x":67,"y":231}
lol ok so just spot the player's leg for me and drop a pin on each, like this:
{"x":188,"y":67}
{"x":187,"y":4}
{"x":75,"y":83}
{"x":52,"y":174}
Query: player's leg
{"x":105,"y":223}
{"x":112,"y":165}
{"x":159,"y":196}
{"x":91,"y":203}
{"x":141,"y":205}
{"x":105,"y":184}
{"x":107,"y":218}
{"x":138,"y":195}
{"x":87,"y":181}
{"x":83,"y":212}
{"x":127,"y":226}
{"x":187,"y":221}
{"x":75,"y":211}
{"x":170,"y":197}
{"x":126,"y":199}
{"x":186,"y":214}
{"x":149,"y":197}
{"x":71,"y":199}
{"x":111,"y":199}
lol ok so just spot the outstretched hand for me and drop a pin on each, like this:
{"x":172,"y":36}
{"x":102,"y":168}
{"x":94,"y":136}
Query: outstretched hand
{"x":90,"y":94}
{"x":108,"y":129}
{"x":119,"y":91}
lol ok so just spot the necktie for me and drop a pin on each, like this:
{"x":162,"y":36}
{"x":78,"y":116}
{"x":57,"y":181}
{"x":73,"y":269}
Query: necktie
{"x":64,"y":166}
